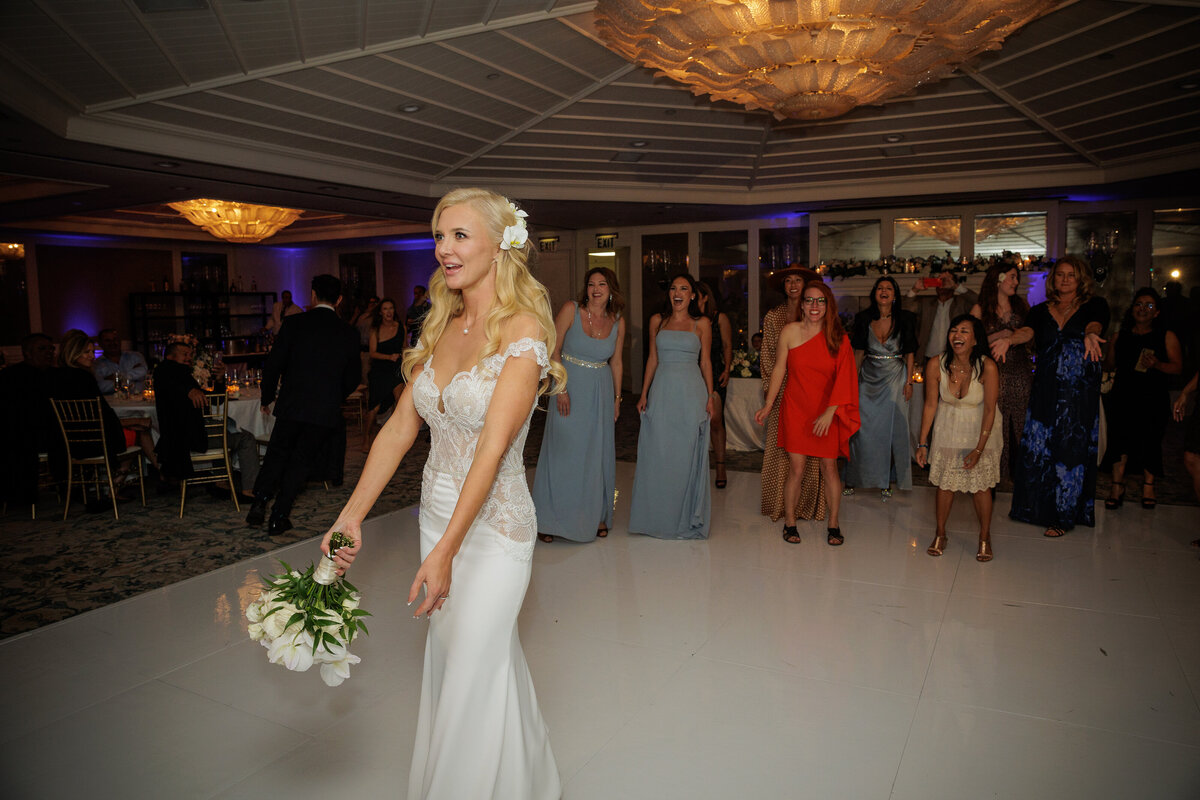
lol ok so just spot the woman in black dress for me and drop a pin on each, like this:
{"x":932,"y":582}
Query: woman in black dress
{"x":384,"y":384}
{"x":721,"y":353}
{"x":1054,"y":473}
{"x":1143,"y":353}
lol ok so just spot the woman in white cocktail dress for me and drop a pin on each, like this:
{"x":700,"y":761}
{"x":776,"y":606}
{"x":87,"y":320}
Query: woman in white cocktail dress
{"x":474,"y":377}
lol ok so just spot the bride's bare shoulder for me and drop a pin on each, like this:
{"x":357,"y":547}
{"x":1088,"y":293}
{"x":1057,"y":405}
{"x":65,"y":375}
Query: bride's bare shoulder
{"x":521,"y":326}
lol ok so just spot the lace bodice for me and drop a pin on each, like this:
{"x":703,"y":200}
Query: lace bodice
{"x":454,"y":432}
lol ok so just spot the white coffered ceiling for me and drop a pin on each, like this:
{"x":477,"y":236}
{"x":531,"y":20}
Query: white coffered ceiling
{"x":521,"y":95}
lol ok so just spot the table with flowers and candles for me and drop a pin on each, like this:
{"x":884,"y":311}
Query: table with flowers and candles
{"x":244,"y":410}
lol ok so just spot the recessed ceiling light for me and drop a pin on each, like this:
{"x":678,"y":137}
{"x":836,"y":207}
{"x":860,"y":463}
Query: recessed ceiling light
{"x":491,"y":76}
{"x":166,"y":164}
{"x":181,"y":188}
{"x":327,"y":188}
{"x":894,"y":137}
{"x":1188,"y":86}
{"x":627,"y":158}
{"x":638,"y":143}
{"x":410,"y":108}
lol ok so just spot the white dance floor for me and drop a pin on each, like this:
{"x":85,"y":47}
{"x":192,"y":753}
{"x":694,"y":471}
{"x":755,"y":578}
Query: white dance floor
{"x":740,"y":667}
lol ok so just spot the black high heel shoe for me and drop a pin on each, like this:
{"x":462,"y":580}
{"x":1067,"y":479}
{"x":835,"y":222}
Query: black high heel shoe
{"x":1112,"y":503}
{"x":791,"y":535}
{"x":721,"y":482}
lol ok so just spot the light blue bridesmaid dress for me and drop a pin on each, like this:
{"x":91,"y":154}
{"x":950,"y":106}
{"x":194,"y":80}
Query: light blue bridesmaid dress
{"x":670,"y":486}
{"x":577,"y":466}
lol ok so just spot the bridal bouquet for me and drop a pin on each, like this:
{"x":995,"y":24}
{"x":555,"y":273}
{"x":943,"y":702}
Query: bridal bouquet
{"x":309,"y":618}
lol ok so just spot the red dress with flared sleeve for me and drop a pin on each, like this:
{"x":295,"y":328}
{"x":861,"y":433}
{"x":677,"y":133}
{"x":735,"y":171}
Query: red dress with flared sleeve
{"x":817,"y":380}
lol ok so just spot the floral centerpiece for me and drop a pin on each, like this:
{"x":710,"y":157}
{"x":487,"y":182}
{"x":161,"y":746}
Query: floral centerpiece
{"x":310,"y":617}
{"x":745,"y":364}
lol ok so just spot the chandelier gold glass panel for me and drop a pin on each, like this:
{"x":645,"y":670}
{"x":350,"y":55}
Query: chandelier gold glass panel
{"x":808,"y":59}
{"x":236,"y":222}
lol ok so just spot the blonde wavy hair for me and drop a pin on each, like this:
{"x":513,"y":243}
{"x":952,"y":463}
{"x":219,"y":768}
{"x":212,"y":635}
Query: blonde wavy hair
{"x":517,"y":291}
{"x":74,"y":344}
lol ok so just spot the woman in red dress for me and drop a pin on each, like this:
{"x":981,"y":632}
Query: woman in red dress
{"x":820,"y":405}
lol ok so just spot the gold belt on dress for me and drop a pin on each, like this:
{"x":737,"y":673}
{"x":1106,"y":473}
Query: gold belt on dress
{"x":579,"y":362}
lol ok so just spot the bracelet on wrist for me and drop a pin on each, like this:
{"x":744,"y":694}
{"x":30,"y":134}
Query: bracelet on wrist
{"x":922,"y":447}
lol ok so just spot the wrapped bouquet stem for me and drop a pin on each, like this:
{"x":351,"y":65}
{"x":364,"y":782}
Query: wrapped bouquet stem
{"x":309,"y":617}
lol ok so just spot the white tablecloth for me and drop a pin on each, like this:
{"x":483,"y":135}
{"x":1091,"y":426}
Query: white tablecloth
{"x":743,"y":397}
{"x":245,"y":411}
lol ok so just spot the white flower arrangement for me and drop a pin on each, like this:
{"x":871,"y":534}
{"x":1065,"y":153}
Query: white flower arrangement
{"x":745,"y":364}
{"x":515,"y":235}
{"x":309,"y":618}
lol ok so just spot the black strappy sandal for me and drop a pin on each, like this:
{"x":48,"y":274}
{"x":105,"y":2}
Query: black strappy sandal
{"x":791,"y":535}
{"x":722,"y":482}
{"x":834,"y":537}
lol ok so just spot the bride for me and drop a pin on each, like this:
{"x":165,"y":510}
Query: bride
{"x":474,"y":377}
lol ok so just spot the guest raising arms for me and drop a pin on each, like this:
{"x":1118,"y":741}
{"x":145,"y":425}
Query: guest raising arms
{"x":884,"y":340}
{"x":670,"y":487}
{"x":385,"y":345}
{"x":1003,"y":311}
{"x":576,"y":479}
{"x":1143,"y":352}
{"x":474,"y":376}
{"x":810,"y":502}
{"x":721,"y":354}
{"x":964,"y":456}
{"x":1054,"y":473}
{"x":820,"y":404}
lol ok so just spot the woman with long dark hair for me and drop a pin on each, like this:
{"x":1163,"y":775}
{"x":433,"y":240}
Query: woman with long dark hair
{"x":1054,"y":473}
{"x":963,"y":456}
{"x":721,"y":354}
{"x":884,"y":339}
{"x":820,"y":404}
{"x":385,"y":346}
{"x":576,"y":477}
{"x":670,"y":487}
{"x":1003,"y":311}
{"x":1144,"y":353}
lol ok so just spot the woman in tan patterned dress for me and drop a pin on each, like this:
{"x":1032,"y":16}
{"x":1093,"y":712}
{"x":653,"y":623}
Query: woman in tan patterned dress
{"x":775,"y":461}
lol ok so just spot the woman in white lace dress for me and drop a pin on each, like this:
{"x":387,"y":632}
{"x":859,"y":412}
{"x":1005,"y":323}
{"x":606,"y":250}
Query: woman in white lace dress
{"x":474,"y":377}
{"x":963,"y":456}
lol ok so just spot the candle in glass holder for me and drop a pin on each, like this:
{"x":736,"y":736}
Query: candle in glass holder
{"x":232,"y":390}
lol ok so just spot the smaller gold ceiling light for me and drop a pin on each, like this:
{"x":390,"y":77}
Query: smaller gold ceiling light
{"x":236,"y":222}
{"x":11,"y":251}
{"x":808,"y":59}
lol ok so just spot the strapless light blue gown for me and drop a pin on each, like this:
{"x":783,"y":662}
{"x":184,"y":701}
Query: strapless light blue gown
{"x":577,"y":464}
{"x":670,"y":487}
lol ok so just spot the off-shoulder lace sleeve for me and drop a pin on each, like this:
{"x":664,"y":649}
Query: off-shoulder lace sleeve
{"x":525,"y":347}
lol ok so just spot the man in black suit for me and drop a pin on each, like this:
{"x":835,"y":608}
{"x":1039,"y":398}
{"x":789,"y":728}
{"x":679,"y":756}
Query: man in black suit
{"x":24,"y":402}
{"x":316,"y":356}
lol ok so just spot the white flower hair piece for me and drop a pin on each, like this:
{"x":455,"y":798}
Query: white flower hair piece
{"x":515,"y":235}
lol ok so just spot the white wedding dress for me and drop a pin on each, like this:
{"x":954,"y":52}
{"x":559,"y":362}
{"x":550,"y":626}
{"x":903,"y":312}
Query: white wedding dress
{"x":479,"y":731}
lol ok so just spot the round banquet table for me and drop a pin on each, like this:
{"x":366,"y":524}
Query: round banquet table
{"x":245,"y":412}
{"x":743,"y":397}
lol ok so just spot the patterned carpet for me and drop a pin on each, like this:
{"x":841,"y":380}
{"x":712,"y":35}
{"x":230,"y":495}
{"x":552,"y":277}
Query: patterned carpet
{"x":53,"y":569}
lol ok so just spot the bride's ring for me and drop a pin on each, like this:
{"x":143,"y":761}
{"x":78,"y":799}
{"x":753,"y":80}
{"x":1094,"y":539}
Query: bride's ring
{"x":444,"y":597}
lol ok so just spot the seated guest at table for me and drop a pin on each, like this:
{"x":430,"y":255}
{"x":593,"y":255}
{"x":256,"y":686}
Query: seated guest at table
{"x":23,"y":398}
{"x":72,"y":379}
{"x":284,"y":308}
{"x":128,"y":363}
{"x":316,"y":356}
{"x":179,"y":400}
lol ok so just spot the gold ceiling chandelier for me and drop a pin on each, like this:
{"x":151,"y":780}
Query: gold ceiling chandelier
{"x":808,"y":59}
{"x":236,"y":222}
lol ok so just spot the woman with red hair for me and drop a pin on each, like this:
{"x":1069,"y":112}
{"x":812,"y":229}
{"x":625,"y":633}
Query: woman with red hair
{"x":820,"y":404}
